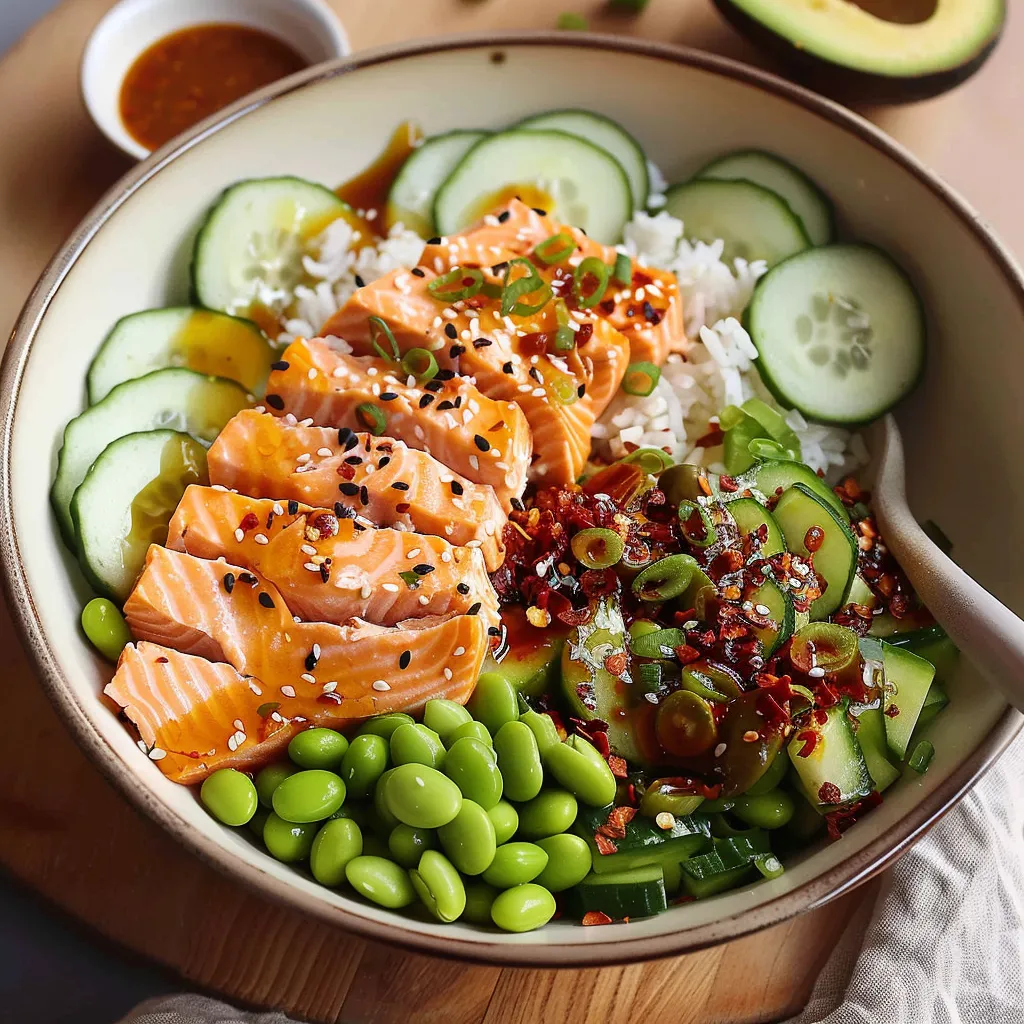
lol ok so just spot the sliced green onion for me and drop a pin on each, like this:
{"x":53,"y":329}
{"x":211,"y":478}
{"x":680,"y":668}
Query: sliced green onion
{"x":531,"y":283}
{"x":623,"y":269}
{"x":380,"y":332}
{"x":668,"y":795}
{"x":569,"y":21}
{"x":651,"y":460}
{"x":665,"y":579}
{"x":555,"y":248}
{"x":372,"y":418}
{"x":641,"y":379}
{"x":420,"y":363}
{"x":597,"y":547}
{"x":711,"y":683}
{"x":765,"y":448}
{"x":590,"y":267}
{"x":922,"y":756}
{"x":824,"y":645}
{"x":662,"y":643}
{"x":565,"y":336}
{"x":563,"y":388}
{"x":696,"y":524}
{"x":773,"y":422}
{"x":458,"y":283}
{"x":491,"y":289}
{"x":769,"y":865}
{"x":731,"y":417}
{"x":648,"y":675}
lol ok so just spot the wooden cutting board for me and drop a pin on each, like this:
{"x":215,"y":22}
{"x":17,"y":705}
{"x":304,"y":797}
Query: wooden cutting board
{"x":64,"y":831}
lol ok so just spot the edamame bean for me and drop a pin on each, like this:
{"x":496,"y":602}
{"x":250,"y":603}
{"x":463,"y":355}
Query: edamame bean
{"x":505,"y":819}
{"x":582,"y":771}
{"x":569,"y":862}
{"x":519,"y":761}
{"x":769,"y":810}
{"x":773,"y":775}
{"x":229,"y":796}
{"x":105,"y":628}
{"x":469,"y":839}
{"x":383,"y":820}
{"x":439,"y":886}
{"x":384,"y":725}
{"x":269,"y":778}
{"x":421,"y":796}
{"x":337,"y":842}
{"x":523,"y":908}
{"x":318,"y":748}
{"x":494,"y":701}
{"x":515,"y":864}
{"x":473,"y":731}
{"x":416,"y":744}
{"x":543,"y":728}
{"x":479,"y":899}
{"x":258,"y":820}
{"x":408,"y":844}
{"x":311,"y":795}
{"x":444,"y":717}
{"x":473,"y":767}
{"x":364,"y":763}
{"x":550,"y":812}
{"x":382,"y":881}
{"x":288,"y":841}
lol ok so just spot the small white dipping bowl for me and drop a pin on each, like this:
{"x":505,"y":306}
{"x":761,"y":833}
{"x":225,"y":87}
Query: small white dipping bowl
{"x":130,"y":27}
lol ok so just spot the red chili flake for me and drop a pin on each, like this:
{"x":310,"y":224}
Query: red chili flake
{"x":328,"y":698}
{"x":402,"y":507}
{"x":616,"y":663}
{"x":712,"y":439}
{"x":809,"y":739}
{"x":596,"y":917}
{"x":829,"y":793}
{"x":604,"y":845}
{"x":686,"y":615}
{"x":249,"y":522}
{"x":814,"y":538}
{"x":631,"y":797}
{"x":618,"y":819}
{"x":892,"y":711}
{"x":346,"y":472}
{"x":840,"y":820}
{"x":326,"y":523}
{"x":161,"y":661}
{"x":728,"y":483}
{"x":618,"y":766}
{"x":820,"y":716}
{"x":687,"y":654}
{"x":584,"y":334}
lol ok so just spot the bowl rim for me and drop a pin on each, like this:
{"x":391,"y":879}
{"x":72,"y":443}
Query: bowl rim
{"x":856,"y":869}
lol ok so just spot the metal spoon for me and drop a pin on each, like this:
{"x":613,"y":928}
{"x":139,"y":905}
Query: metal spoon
{"x":984,"y":629}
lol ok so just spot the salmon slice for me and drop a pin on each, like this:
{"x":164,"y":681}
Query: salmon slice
{"x":187,"y":604}
{"x":378,"y":479}
{"x":484,"y":440}
{"x":330,"y":569}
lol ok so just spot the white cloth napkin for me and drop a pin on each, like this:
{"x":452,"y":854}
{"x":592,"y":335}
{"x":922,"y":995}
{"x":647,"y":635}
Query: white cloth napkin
{"x":944,"y":945}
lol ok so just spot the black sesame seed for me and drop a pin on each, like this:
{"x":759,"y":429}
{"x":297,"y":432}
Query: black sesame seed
{"x":247,"y":577}
{"x":325,"y":571}
{"x":400,"y":485}
{"x":650,"y":314}
{"x":541,"y":213}
{"x":463,"y":588}
{"x":445,"y":374}
{"x":423,"y":569}
{"x":364,"y":495}
{"x":384,"y":461}
{"x":311,"y":661}
{"x":517,"y":504}
{"x":270,"y":519}
{"x":507,"y":367}
{"x":354,"y":460}
{"x":279,"y":365}
{"x":535,"y":375}
{"x":360,"y":283}
{"x":581,"y":390}
{"x":482,"y":343}
{"x":343,"y":511}
{"x":275,"y":402}
{"x":229,"y":581}
{"x":388,"y":396}
{"x":417,"y":272}
{"x":503,"y":216}
{"x":434,"y":385}
{"x":404,"y":658}
{"x":451,"y":331}
{"x":266,"y":600}
{"x":458,"y":401}
{"x":445,"y":405}
{"x":455,"y":351}
{"x":499,"y":268}
{"x":473,"y":609}
{"x":434,"y":241}
{"x":343,"y":436}
{"x":493,"y":631}
{"x":457,"y":488}
{"x":425,"y":400}
{"x":482,"y":443}
{"x":349,"y":489}
{"x":293,"y":507}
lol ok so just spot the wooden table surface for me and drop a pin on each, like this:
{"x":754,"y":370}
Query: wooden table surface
{"x":64,"y":831}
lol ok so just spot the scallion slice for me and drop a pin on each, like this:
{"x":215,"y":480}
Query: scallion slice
{"x":764,"y":448}
{"x":590,"y":267}
{"x":458,"y":283}
{"x":623,"y":269}
{"x":769,"y":865}
{"x":665,"y":579}
{"x":662,"y":643}
{"x":379,"y":333}
{"x":372,"y":418}
{"x":531,"y":283}
{"x":651,"y":460}
{"x":565,"y":336}
{"x":555,"y":248}
{"x":420,"y":363}
{"x":696,"y":524}
{"x":922,"y":756}
{"x":597,"y":547}
{"x":641,"y":379}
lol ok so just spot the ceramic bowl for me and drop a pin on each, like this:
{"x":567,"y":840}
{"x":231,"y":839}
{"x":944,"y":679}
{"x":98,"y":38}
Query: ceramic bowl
{"x":961,"y":427}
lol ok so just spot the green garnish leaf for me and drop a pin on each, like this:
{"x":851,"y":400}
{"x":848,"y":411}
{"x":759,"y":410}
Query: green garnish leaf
{"x":458,"y":283}
{"x":266,"y":710}
{"x":372,"y":418}
{"x":420,"y":363}
{"x":555,"y":248}
{"x":410,"y":579}
{"x":640,"y":378}
{"x":600,"y":272}
{"x":380,"y":333}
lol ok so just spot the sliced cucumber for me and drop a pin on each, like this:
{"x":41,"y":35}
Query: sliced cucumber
{"x":934,"y":703}
{"x":780,"y":611}
{"x":771,"y":477}
{"x":751,"y":516}
{"x":175,"y":398}
{"x":254,"y":237}
{"x":636,"y":892}
{"x":126,"y":501}
{"x":931,"y":643}
{"x":835,"y":560}
{"x":755,"y":224}
{"x":532,"y":663}
{"x":609,"y":135}
{"x":803,"y":197}
{"x":411,"y":199}
{"x":908,"y":679}
{"x":588,"y":186}
{"x":840,"y":333}
{"x":834,"y":772}
{"x":643,"y":843}
{"x":198,"y":339}
{"x":874,"y":746}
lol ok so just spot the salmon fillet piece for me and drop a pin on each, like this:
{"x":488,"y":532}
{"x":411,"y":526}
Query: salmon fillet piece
{"x":330,"y":569}
{"x":376,"y":478}
{"x":484,"y":440}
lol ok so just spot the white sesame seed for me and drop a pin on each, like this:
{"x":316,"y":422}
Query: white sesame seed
{"x":423,"y":600}
{"x":446,"y":556}
{"x":304,"y":458}
{"x":239,"y":737}
{"x":324,"y":453}
{"x":379,"y":684}
{"x":308,"y":549}
{"x":391,"y":588}
{"x":261,"y":538}
{"x":311,"y":374}
{"x":338,"y":371}
{"x":239,"y":535}
{"x":288,"y":691}
{"x":489,"y":528}
{"x":447,"y":673}
{"x":307,"y":422}
{"x":690,"y":624}
{"x":255,"y":689}
{"x":413,"y":553}
{"x":762,"y":609}
{"x":474,"y":462}
{"x":219,"y":487}
{"x":459,"y":651}
{"x":156,"y":754}
{"x":474,"y":543}
{"x":720,"y":749}
{"x":290,"y":419}
{"x":232,"y":743}
{"x":364,"y":591}
{"x":817,"y":672}
{"x":237,"y":723}
{"x":278,"y":509}
{"x":311,"y":566}
{"x":330,"y":687}
{"x":307,"y":678}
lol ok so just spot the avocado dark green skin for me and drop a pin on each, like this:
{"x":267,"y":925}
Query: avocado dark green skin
{"x":855,"y":86}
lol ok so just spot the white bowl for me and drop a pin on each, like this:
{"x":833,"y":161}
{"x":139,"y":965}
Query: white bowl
{"x":131,"y":26}
{"x":961,"y":427}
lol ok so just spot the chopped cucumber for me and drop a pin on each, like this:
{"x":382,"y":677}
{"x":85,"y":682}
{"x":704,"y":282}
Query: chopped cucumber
{"x":727,"y":854}
{"x":609,"y":135}
{"x":411,"y":199}
{"x":874,"y":746}
{"x":835,"y":559}
{"x":532,"y":664}
{"x":934,"y":703}
{"x":643,"y":843}
{"x":198,"y":339}
{"x":840,"y":333}
{"x":704,"y":888}
{"x":779,"y":603}
{"x":588,"y":186}
{"x":636,"y":892}
{"x":175,"y":398}
{"x":254,"y":237}
{"x":834,"y":772}
{"x":772,"y":477}
{"x":751,"y":516}
{"x":931,"y":643}
{"x":126,"y":501}
{"x":804,"y":198}
{"x":907,"y":681}
{"x":754,"y":224}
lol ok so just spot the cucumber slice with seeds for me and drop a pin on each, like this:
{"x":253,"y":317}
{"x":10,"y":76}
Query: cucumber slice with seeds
{"x":834,"y":772}
{"x":750,"y":515}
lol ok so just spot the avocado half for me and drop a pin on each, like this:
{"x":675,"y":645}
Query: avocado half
{"x":843,"y":46}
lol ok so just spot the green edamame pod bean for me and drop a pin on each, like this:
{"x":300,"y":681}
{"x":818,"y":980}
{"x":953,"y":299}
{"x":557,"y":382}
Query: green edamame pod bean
{"x":337,"y":842}
{"x":311,"y":795}
{"x":229,"y":796}
{"x":473,"y":767}
{"x":384,"y":725}
{"x":515,"y":864}
{"x":383,"y":820}
{"x":543,"y":728}
{"x":569,"y":862}
{"x":421,"y":796}
{"x":269,"y":778}
{"x":382,"y":881}
{"x":363,"y":764}
{"x":439,"y":886}
{"x":288,"y":841}
{"x":473,"y":731}
{"x":105,"y":628}
{"x":519,"y":761}
{"x":769,"y":810}
{"x":479,"y":899}
{"x":494,"y":701}
{"x":318,"y":748}
{"x":505,"y":819}
{"x":773,"y":775}
{"x":258,"y":820}
{"x":469,"y":839}
{"x":550,"y":812}
{"x":523,"y":908}
{"x":444,"y":717}
{"x":408,"y":844}
{"x":374,"y":845}
{"x":587,"y":777}
{"x":416,"y":744}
